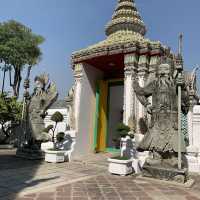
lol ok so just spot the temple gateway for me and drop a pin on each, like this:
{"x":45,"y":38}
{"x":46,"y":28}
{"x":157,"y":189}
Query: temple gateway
{"x":103,"y":95}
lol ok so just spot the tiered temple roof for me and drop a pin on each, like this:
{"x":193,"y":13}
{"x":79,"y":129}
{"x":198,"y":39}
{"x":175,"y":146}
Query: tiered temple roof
{"x":125,"y":33}
{"x":126,"y":19}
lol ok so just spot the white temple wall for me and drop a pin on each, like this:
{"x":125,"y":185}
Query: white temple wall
{"x":195,"y":128}
{"x":77,"y":92}
{"x":86,"y":110}
{"x":129,"y":94}
{"x":193,"y":150}
{"x":128,"y":98}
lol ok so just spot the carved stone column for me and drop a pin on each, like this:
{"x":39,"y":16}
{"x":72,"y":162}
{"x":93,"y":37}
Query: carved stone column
{"x":77,"y":92}
{"x":142,"y":78}
{"x":141,"y":108}
{"x":130,"y":62}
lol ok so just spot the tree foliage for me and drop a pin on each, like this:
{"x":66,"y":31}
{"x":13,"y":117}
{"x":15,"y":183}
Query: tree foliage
{"x":123,"y":129}
{"x":60,"y":137}
{"x":48,"y":128}
{"x":10,"y":115}
{"x":19,"y":47}
{"x":57,"y":117}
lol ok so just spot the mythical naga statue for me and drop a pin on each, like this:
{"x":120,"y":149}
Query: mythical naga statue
{"x":162,"y":136}
{"x":45,"y":93}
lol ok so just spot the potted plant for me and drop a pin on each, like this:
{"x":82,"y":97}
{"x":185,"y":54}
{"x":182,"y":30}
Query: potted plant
{"x":122,"y":132}
{"x":55,"y":155}
{"x":121,"y":165}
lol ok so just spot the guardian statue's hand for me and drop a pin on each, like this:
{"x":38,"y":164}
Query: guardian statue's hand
{"x":43,"y":114}
{"x":149,"y":109}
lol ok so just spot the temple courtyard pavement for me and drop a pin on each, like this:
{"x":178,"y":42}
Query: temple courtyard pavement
{"x":89,"y":180}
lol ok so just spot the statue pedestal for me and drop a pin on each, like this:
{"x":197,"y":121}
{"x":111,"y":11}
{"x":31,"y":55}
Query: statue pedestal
{"x":30,"y":154}
{"x":163,"y":173}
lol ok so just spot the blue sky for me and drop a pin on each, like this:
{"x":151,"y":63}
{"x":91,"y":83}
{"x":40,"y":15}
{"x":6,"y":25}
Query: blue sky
{"x":69,"y":25}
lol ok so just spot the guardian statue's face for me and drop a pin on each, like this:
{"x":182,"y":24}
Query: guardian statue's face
{"x":164,"y":70}
{"x":38,"y":84}
{"x":39,"y":87}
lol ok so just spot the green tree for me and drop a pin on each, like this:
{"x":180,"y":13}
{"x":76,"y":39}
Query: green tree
{"x":10,"y":115}
{"x":19,"y":48}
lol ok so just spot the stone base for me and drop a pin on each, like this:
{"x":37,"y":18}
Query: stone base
{"x":167,"y":174}
{"x":30,"y":154}
{"x":188,"y":184}
{"x":6,"y":146}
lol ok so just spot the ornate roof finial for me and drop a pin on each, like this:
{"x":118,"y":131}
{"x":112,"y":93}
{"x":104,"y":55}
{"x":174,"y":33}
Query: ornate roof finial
{"x":180,"y":44}
{"x":179,"y":57}
{"x":126,"y":18}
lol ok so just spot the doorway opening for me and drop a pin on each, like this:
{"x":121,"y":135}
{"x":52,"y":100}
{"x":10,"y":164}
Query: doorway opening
{"x":109,"y":113}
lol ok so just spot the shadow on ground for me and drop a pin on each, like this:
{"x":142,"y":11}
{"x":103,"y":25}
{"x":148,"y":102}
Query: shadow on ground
{"x":21,"y":177}
{"x":17,"y":174}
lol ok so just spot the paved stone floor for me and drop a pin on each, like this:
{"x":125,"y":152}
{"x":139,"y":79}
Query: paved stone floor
{"x":107,"y":187}
{"x":20,"y":176}
{"x":33,"y":180}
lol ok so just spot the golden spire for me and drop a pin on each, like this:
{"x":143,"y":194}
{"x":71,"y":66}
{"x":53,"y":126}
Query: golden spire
{"x":126,"y":18}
